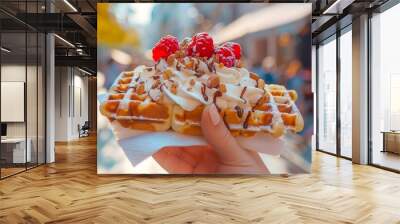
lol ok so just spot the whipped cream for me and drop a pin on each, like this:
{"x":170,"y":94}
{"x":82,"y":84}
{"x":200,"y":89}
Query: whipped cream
{"x":187,"y":84}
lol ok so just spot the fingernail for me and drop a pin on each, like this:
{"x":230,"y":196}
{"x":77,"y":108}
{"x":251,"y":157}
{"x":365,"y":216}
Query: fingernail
{"x":214,"y":115}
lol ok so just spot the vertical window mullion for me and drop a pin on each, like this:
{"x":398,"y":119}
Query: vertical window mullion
{"x":26,"y":86}
{"x":369,"y":100}
{"x":37,"y":89}
{"x":338,"y":74}
{"x":0,"y":95}
{"x":317,"y":96}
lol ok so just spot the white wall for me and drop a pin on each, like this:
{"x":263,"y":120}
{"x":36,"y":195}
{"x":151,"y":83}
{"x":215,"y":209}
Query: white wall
{"x":33,"y":127}
{"x":14,"y":73}
{"x":61,"y":103}
{"x":71,"y":94}
{"x":17,"y":73}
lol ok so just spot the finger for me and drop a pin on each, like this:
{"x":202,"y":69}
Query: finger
{"x":183,"y":154}
{"x":219,"y":137}
{"x":208,"y":164}
{"x":170,"y":160}
{"x":207,"y":159}
{"x":198,"y":151}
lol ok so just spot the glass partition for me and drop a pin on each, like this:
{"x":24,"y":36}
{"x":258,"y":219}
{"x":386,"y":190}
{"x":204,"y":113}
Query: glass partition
{"x":385,"y":89}
{"x":13,"y":94}
{"x":22,"y":77}
{"x":327,"y":96}
{"x":31,"y":98}
{"x":346,"y":93}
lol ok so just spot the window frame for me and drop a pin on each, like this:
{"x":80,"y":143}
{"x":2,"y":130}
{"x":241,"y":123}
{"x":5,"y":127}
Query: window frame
{"x":381,"y":9}
{"x":334,"y":37}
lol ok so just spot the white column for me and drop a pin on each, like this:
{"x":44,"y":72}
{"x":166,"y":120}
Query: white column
{"x":50,"y":108}
{"x":314,"y":90}
{"x":50,"y":92}
{"x":360,"y":90}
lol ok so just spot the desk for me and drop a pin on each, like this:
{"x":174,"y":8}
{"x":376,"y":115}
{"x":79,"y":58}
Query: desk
{"x":391,"y":141}
{"x":18,"y":149}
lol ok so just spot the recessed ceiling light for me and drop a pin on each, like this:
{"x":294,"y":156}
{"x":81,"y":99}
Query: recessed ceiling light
{"x":84,"y":71}
{"x":5,"y":50}
{"x":70,"y":5}
{"x":65,"y":41}
{"x":337,"y":7}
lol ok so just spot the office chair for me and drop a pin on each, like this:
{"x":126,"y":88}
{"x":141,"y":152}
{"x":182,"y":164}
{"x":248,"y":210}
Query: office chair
{"x":84,"y":130}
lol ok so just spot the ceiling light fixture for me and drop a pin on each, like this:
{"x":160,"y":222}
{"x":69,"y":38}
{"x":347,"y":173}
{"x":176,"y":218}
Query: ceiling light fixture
{"x":5,"y":50}
{"x":70,"y":5}
{"x":337,"y":7}
{"x":65,"y":41}
{"x":84,"y":71}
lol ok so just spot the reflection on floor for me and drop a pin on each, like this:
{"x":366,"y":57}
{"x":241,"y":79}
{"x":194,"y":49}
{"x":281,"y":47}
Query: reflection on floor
{"x":387,"y":159}
{"x":10,"y":169}
{"x":70,"y":191}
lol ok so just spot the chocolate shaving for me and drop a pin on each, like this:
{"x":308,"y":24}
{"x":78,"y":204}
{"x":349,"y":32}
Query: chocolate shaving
{"x":203,"y":92}
{"x":149,"y":69}
{"x":242,"y":93}
{"x":156,"y":77}
{"x":226,"y":123}
{"x":162,"y":84}
{"x":246,"y":121}
{"x":137,"y":79}
{"x":178,"y":67}
{"x":258,"y":102}
{"x":239,"y":111}
{"x":155,"y":65}
{"x":211,"y":67}
{"x":196,"y":65}
{"x":217,"y":94}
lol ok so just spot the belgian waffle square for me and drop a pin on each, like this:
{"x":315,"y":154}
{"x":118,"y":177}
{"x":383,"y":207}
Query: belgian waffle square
{"x":134,"y":106}
{"x":264,"y":117}
{"x":285,"y":102}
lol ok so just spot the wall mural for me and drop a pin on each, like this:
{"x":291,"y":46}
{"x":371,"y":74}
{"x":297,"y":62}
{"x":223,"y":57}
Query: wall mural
{"x":210,"y":88}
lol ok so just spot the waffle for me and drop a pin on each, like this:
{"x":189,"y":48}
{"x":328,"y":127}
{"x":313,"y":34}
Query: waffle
{"x":285,"y":102}
{"x":130,"y":104}
{"x":174,"y":92}
{"x":264,"y":117}
{"x":274,"y":113}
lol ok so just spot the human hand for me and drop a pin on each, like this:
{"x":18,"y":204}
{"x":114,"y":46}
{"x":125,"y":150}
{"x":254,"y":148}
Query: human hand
{"x":223,"y":155}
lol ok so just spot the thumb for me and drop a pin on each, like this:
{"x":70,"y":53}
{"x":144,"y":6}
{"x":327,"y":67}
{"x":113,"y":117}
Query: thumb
{"x":219,"y":137}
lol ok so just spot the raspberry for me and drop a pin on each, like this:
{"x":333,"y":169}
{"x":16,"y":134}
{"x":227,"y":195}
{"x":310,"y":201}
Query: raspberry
{"x":201,"y":45}
{"x":165,"y":47}
{"x":235,"y":47}
{"x":225,"y":56}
